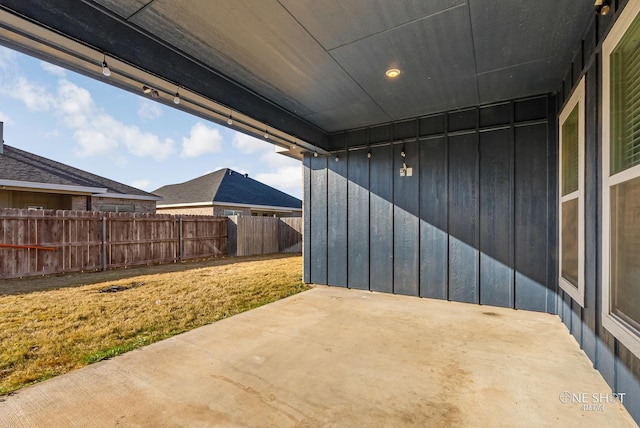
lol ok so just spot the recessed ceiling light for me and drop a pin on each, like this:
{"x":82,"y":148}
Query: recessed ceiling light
{"x":392,"y":73}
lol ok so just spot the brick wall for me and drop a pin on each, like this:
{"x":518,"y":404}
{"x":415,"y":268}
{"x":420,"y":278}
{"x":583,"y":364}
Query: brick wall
{"x":140,"y":206}
{"x":78,"y":203}
{"x":186,"y":211}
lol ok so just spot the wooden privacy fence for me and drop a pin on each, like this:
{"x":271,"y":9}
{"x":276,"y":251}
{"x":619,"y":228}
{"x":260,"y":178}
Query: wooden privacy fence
{"x":250,"y":236}
{"x":40,"y":242}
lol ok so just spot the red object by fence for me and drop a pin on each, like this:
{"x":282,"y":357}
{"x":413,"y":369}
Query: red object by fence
{"x":28,"y":247}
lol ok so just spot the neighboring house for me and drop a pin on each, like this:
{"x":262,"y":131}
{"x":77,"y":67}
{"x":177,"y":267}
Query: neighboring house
{"x":31,"y":181}
{"x":227,"y":192}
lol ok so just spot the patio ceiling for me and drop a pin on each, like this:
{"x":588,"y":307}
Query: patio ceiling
{"x":308,"y":67}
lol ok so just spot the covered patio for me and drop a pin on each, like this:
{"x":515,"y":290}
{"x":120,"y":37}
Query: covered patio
{"x":337,"y":357}
{"x":472,"y":151}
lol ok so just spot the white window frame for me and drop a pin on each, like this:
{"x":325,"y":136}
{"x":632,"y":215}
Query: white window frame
{"x":117,"y":208}
{"x":576,"y":99}
{"x":618,"y":328}
{"x":231,"y":212}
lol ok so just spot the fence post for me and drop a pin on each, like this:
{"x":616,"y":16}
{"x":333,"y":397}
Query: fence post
{"x":104,"y":243}
{"x":180,"y":240}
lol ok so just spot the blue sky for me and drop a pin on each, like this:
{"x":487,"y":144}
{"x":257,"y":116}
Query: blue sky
{"x":90,"y":125}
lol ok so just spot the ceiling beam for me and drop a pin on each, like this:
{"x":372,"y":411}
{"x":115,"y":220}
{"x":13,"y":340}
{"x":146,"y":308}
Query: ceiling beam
{"x":108,"y":33}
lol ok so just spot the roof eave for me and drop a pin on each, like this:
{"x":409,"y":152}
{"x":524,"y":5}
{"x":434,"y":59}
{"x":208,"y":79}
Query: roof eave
{"x":128,"y":196}
{"x":50,"y":188}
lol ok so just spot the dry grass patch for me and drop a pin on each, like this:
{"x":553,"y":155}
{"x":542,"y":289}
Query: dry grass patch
{"x":47,"y":330}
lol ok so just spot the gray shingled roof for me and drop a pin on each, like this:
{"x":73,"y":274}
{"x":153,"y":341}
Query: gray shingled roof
{"x":16,"y":164}
{"x":226,"y":185}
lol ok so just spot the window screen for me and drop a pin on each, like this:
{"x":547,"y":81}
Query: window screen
{"x":625,"y":101}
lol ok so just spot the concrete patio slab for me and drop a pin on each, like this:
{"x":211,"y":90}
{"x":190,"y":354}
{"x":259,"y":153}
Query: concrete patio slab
{"x":338,"y":357}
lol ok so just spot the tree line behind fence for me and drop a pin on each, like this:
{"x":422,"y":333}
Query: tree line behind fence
{"x":41,"y":242}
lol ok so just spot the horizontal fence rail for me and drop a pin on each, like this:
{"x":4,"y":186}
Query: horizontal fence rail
{"x":42,"y":242}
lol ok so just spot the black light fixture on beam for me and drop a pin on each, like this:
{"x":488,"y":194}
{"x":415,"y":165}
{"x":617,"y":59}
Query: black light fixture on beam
{"x":176,"y":99}
{"x":602,"y":7}
{"x":147,"y":90}
{"x":105,"y":68}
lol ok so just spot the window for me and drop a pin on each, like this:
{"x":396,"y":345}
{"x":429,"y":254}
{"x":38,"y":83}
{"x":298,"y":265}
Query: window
{"x":117,"y":208}
{"x":232,"y":212}
{"x":571,"y":191}
{"x":621,"y":179}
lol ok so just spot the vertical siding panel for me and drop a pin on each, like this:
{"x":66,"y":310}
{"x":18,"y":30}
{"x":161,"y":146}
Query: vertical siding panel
{"x":628,"y":380}
{"x":381,"y":218}
{"x":496,"y":219}
{"x":576,"y":321}
{"x":566,"y":310}
{"x":552,"y":206}
{"x":591,"y":241}
{"x":531,"y":217}
{"x":358,"y":220}
{"x":319,"y":220}
{"x":306,"y":212}
{"x":433,"y":219}
{"x":406,"y":221}
{"x":605,"y":363}
{"x":337,"y":222}
{"x":463,"y":221}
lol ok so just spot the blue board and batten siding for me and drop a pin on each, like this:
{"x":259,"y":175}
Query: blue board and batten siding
{"x":471,"y":224}
{"x":619,"y":366}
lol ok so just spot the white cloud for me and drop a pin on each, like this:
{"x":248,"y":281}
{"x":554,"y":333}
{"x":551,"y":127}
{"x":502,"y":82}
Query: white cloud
{"x":202,"y":139}
{"x":248,"y":144}
{"x":286,"y":178}
{"x":96,"y":132}
{"x":93,"y":142}
{"x":282,"y":172}
{"x":35,"y":97}
{"x":7,"y":58}
{"x":99,"y":134}
{"x":53,"y":69}
{"x":74,"y":104}
{"x":4,"y":118}
{"x":143,"y":184}
{"x":149,"y":110}
{"x":145,"y":144}
{"x":51,"y":134}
